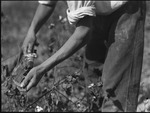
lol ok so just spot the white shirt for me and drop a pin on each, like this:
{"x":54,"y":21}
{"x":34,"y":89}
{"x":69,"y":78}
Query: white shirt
{"x":78,"y":9}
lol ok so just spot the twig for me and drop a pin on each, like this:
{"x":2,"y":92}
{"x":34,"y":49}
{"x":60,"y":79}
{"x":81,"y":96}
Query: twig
{"x":65,"y":96}
{"x":38,"y":99}
{"x":55,"y":85}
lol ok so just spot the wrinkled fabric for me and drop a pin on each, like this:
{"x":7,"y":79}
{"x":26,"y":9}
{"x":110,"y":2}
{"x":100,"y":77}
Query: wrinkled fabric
{"x":122,"y":66}
{"x":108,"y":7}
{"x":75,"y":16}
{"x":79,"y":9}
{"x":123,"y":30}
{"x":116,"y":4}
{"x":44,"y":2}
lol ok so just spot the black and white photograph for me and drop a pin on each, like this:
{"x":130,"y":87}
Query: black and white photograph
{"x":75,"y":56}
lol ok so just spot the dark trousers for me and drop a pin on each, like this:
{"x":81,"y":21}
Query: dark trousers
{"x":120,"y":64}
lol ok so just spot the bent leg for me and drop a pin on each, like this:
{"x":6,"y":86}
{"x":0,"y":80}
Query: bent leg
{"x":122,"y":68}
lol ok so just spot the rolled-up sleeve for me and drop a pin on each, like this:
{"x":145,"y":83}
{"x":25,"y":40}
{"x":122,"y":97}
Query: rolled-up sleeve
{"x":46,"y":2}
{"x":79,"y":9}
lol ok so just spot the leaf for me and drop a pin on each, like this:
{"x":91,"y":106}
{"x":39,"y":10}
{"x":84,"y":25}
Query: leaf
{"x":50,"y":100}
{"x":68,"y":91}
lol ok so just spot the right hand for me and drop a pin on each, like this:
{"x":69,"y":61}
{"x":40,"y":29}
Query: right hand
{"x":32,"y":78}
{"x":27,"y":47}
{"x":29,"y":43}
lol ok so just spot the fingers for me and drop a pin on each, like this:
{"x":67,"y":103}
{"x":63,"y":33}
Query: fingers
{"x":30,"y":47}
{"x":22,"y":87}
{"x":29,"y":44}
{"x":32,"y":79}
{"x":26,"y":81}
{"x":20,"y":55}
{"x":26,"y":50}
{"x":27,"y":84}
{"x":30,"y":85}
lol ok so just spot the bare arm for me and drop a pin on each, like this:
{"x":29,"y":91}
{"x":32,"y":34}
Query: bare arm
{"x":42,"y":14}
{"x":73,"y":44}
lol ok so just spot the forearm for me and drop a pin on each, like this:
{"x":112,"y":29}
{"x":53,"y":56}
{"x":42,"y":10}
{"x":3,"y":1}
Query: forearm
{"x":74,"y":43}
{"x":42,"y":14}
{"x":68,"y":49}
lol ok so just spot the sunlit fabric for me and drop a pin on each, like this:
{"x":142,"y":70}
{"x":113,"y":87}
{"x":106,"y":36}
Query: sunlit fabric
{"x":79,"y":9}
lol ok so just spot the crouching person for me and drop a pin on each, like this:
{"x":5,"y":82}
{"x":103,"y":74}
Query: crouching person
{"x":113,"y":34}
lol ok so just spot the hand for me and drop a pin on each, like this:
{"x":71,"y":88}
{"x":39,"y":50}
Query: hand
{"x":32,"y":78}
{"x":29,"y":43}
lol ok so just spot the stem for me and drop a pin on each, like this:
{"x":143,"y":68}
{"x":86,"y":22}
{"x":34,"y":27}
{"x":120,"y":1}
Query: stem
{"x":55,"y":85}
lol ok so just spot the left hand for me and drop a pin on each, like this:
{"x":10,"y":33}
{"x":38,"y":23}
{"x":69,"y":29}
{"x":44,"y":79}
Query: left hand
{"x":32,"y":78}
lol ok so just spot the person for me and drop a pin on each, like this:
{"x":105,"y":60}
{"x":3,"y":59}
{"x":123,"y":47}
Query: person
{"x":118,"y":23}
